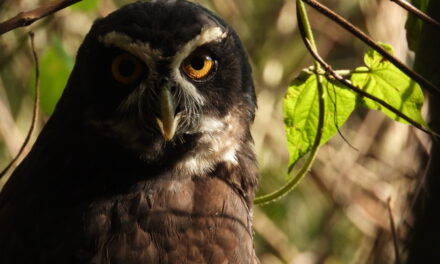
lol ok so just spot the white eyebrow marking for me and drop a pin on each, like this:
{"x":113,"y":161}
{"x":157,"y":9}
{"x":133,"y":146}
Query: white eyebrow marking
{"x":189,"y":96}
{"x":211,"y":34}
{"x":141,"y":50}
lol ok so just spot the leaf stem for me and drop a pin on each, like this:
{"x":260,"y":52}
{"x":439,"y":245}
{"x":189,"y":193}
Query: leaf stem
{"x":290,"y":185}
{"x":307,"y":36}
{"x":301,"y":15}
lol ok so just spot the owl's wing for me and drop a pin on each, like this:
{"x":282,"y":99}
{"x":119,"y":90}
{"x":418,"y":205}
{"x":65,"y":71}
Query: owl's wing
{"x":35,"y":222}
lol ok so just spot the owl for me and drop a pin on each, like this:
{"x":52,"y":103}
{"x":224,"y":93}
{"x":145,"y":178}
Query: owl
{"x":148,"y":156}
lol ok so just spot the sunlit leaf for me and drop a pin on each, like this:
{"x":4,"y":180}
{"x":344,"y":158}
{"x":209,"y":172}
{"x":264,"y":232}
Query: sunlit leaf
{"x":375,"y":61}
{"x":385,"y":81}
{"x":86,"y":5}
{"x":55,"y":67}
{"x":301,"y":111}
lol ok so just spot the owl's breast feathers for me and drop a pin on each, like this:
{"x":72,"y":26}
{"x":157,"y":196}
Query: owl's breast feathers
{"x":197,"y":210}
{"x":195,"y":220}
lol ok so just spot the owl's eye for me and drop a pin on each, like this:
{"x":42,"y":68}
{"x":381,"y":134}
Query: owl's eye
{"x":126,"y":69}
{"x":198,"y":65}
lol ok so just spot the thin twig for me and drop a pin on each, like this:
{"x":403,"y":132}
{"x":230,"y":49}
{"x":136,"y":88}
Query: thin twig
{"x":434,"y":90}
{"x":393,"y":232}
{"x":23,"y":19}
{"x":361,"y":92}
{"x":410,"y":8}
{"x":21,"y":44}
{"x":35,"y":109}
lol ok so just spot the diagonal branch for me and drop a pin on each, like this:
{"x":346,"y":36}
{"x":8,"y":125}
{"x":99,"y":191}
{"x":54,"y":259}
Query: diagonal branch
{"x":361,"y":92}
{"x":410,"y":8}
{"x":434,"y":90}
{"x":23,"y":19}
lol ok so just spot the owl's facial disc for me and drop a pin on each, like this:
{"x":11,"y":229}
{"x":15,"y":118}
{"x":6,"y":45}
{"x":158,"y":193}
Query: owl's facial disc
{"x":174,"y":99}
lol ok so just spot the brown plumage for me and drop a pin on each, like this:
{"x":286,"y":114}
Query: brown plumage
{"x":142,"y":161}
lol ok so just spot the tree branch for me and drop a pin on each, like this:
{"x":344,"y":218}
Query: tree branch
{"x":23,"y":19}
{"x":361,"y":92}
{"x":410,"y":8}
{"x":434,"y":90}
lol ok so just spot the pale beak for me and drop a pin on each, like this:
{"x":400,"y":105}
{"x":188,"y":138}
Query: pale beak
{"x":167,"y":120}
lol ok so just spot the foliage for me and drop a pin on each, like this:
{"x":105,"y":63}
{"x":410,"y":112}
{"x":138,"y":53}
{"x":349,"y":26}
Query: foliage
{"x":54,"y":62}
{"x":301,"y":110}
{"x":85,"y":6}
{"x":384,"y":80}
{"x":378,"y":77}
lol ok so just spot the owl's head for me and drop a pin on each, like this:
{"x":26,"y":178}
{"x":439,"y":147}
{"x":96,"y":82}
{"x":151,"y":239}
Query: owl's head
{"x":162,"y":74}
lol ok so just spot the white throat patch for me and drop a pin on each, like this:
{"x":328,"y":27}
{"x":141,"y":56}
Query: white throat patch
{"x":219,"y":143}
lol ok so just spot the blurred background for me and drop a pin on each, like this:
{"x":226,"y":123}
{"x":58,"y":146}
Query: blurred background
{"x":340,"y":213}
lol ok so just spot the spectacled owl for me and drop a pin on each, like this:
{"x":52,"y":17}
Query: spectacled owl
{"x":148,"y":155}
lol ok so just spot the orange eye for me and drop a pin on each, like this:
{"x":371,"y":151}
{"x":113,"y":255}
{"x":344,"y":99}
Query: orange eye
{"x":198,"y":65}
{"x":126,"y":69}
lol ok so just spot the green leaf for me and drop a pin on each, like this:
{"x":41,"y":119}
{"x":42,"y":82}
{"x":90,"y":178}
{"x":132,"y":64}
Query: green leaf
{"x":385,"y":81}
{"x":414,"y":24}
{"x":55,"y":67}
{"x":301,"y":110}
{"x":86,"y":5}
{"x":374,"y":60}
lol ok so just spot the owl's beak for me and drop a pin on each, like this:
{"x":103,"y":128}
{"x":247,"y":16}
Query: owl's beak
{"x":167,"y":120}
